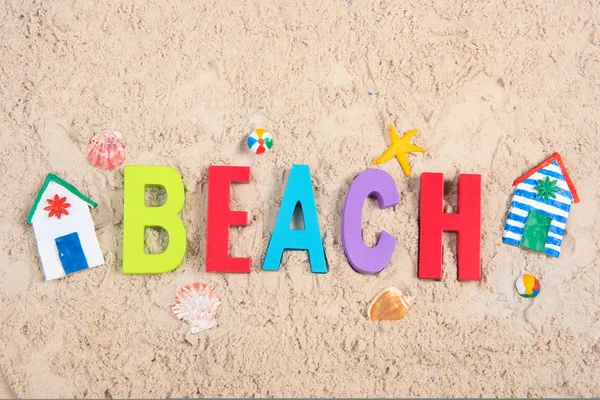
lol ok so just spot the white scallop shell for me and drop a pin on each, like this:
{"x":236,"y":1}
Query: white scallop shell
{"x":197,"y":304}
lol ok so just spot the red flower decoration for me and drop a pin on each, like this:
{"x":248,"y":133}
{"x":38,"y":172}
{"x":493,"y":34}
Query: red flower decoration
{"x":57,"y":207}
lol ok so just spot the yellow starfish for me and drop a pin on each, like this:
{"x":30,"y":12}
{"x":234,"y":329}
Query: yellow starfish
{"x":398,"y":148}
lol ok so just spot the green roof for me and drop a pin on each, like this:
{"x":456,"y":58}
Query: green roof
{"x":66,"y":185}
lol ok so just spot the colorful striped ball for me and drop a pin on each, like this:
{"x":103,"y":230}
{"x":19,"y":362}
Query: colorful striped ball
{"x":528,"y":285}
{"x":260,"y":141}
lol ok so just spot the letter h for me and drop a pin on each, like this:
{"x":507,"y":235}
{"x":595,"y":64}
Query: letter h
{"x":434,"y":221}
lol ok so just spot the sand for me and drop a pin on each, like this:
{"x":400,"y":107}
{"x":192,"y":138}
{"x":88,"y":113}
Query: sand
{"x":5,"y":390}
{"x":494,"y":88}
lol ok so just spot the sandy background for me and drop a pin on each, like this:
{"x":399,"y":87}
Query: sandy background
{"x":494,"y":87}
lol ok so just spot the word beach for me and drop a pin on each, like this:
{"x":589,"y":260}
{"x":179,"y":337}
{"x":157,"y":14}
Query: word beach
{"x":298,"y":192}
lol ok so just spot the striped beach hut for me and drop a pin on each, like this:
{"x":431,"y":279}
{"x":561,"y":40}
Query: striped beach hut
{"x":540,"y":208}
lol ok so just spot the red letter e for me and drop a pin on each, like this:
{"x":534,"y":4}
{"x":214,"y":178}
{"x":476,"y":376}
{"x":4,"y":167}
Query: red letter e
{"x":220,"y":218}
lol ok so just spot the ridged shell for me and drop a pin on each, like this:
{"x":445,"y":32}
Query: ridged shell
{"x":391,"y":304}
{"x":197,"y":304}
{"x":105,"y":150}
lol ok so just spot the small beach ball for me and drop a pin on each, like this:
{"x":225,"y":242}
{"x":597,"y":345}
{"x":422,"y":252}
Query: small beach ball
{"x":528,"y":285}
{"x":260,"y":141}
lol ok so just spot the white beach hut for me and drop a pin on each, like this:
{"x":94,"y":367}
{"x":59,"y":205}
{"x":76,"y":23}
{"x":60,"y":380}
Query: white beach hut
{"x":540,"y":207}
{"x":64,"y":229}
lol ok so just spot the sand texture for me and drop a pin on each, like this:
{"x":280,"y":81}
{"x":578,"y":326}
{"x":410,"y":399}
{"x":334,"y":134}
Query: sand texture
{"x":494,"y":87}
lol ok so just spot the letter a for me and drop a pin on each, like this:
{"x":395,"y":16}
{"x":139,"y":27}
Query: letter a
{"x":466,"y":222}
{"x":298,"y":190}
{"x":365,"y":259}
{"x":137,"y":217}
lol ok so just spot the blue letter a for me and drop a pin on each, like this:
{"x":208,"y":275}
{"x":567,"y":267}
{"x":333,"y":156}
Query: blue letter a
{"x":299,"y":190}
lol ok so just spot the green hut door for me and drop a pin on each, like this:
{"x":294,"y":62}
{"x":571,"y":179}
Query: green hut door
{"x":536,"y":231}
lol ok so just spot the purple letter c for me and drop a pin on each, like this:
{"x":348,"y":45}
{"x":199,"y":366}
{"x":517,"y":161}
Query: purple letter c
{"x":362,"y":258}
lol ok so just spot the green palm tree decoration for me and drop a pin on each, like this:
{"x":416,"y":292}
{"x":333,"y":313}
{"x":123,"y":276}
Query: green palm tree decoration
{"x":547,"y":188}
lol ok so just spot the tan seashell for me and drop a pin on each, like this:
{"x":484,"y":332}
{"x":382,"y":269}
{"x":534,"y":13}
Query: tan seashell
{"x":197,"y":304}
{"x":391,"y":304}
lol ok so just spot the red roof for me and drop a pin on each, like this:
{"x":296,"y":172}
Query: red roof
{"x":554,"y":157}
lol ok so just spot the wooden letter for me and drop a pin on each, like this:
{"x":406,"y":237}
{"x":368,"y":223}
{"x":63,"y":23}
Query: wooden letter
{"x":466,"y":222}
{"x":136,"y":217}
{"x":220,"y":218}
{"x":364,"y":259}
{"x":298,"y":190}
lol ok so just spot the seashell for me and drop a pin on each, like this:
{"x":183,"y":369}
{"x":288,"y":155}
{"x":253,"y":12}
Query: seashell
{"x":197,"y":304}
{"x":105,"y":150}
{"x":391,"y":304}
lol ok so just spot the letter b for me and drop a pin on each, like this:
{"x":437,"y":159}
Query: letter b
{"x":137,"y":217}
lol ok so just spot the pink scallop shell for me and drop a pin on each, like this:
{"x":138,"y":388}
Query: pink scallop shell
{"x":106,"y":150}
{"x":197,"y":304}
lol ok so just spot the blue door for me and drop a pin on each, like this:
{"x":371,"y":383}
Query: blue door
{"x":70,"y":253}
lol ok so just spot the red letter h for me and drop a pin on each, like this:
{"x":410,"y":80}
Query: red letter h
{"x":466,"y":222}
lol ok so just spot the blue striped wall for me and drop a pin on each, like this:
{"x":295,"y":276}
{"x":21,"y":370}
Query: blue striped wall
{"x":525,"y":200}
